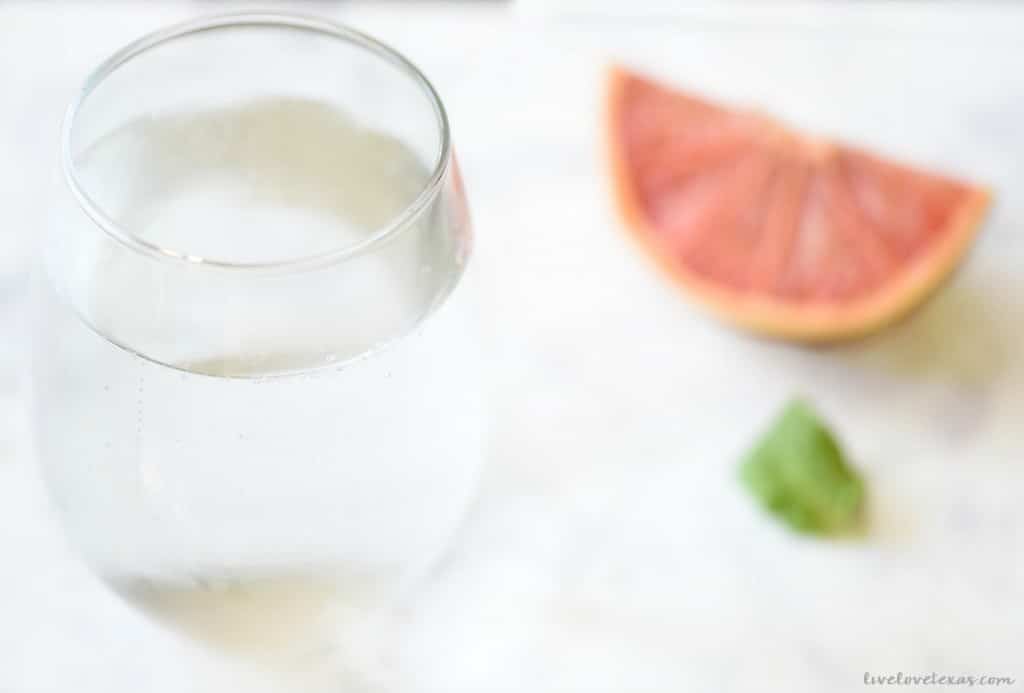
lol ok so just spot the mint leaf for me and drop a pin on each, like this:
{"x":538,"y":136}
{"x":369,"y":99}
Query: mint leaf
{"x":797,"y":472}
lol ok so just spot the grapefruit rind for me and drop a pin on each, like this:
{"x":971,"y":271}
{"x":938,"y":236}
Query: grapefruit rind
{"x":772,"y":316}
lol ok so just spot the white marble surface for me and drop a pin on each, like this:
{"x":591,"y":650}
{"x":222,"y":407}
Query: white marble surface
{"x":612,"y":549}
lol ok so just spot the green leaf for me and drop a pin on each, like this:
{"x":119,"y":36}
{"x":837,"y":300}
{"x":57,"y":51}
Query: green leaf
{"x":797,"y":472}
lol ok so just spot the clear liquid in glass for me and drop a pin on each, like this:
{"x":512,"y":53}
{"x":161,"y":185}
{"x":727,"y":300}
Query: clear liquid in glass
{"x":259,"y":494}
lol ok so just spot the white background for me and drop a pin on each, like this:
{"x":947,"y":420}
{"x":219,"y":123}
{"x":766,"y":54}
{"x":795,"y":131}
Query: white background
{"x":612,"y":548}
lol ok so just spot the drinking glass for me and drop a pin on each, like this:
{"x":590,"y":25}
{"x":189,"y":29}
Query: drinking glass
{"x":256,"y":389}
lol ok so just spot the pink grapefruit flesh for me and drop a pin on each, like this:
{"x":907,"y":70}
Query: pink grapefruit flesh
{"x":775,"y":231}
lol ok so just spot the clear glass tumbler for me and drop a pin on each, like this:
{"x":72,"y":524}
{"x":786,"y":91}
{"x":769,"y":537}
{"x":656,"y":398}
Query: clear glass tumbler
{"x":256,"y":392}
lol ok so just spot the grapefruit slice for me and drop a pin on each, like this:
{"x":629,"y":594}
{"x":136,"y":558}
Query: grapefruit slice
{"x":775,"y":231}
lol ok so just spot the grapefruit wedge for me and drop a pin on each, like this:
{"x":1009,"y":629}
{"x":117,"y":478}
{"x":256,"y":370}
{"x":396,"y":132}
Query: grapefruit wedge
{"x":775,"y":231}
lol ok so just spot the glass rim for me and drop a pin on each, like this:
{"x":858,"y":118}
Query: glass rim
{"x":397,"y":224}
